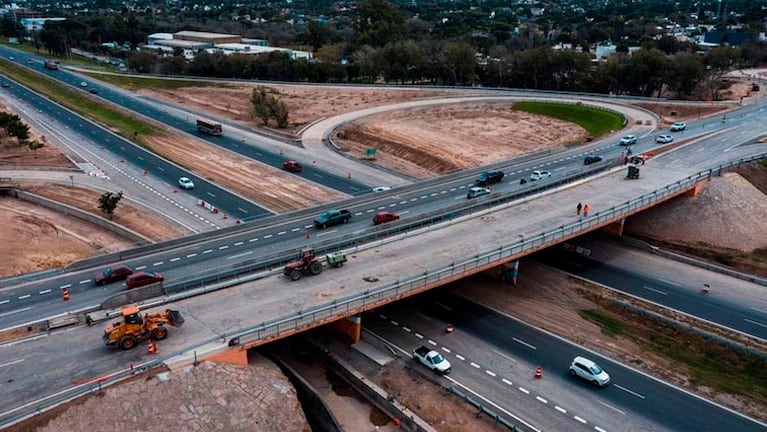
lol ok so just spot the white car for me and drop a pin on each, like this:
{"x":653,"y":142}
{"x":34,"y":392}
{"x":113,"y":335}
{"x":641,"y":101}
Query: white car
{"x":590,"y":371}
{"x":537,"y":175}
{"x":678,"y":127}
{"x":664,"y":139}
{"x":186,"y":183}
{"x":628,"y":140}
{"x":476,"y":192}
{"x":381,"y":189}
{"x":83,"y":84}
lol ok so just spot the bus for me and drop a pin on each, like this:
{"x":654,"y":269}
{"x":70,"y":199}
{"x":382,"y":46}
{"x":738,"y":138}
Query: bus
{"x":209,"y":128}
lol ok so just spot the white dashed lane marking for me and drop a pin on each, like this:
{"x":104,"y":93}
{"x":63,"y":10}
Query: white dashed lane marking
{"x":44,"y":292}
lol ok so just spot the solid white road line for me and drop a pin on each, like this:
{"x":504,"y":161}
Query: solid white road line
{"x":654,"y":290}
{"x":670,"y":282}
{"x":611,"y":407}
{"x":629,"y":391}
{"x":239,"y":255}
{"x":754,"y":322}
{"x":15,"y":311}
{"x":11,"y":363}
{"x":524,"y":343}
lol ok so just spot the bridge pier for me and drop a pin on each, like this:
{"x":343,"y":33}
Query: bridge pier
{"x":350,"y":327}
{"x":696,"y":190}
{"x":236,"y":356}
{"x":615,"y":228}
{"x":506,"y":272}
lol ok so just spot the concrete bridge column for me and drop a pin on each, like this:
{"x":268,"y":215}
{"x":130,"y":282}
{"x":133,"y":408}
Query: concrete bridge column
{"x":696,"y":190}
{"x":237,"y":356}
{"x":616,"y":228}
{"x":350,"y":327}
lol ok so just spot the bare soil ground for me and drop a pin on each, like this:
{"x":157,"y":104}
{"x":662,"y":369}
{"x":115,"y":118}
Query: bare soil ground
{"x":14,"y":154}
{"x":669,"y":113}
{"x":35,"y":238}
{"x":306,"y":104}
{"x":724,"y":224}
{"x":434,"y":141}
{"x":270,"y":187}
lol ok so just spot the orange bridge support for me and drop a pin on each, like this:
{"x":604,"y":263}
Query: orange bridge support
{"x":350,"y":327}
{"x":696,"y":190}
{"x":236,"y":356}
{"x":616,"y":228}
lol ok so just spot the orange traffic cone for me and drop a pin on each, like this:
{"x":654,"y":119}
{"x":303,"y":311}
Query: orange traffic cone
{"x":308,"y":235}
{"x":151,"y":347}
{"x":538,"y":372}
{"x":65,"y":293}
{"x":706,"y":287}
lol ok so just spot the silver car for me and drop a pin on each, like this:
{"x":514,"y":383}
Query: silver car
{"x":186,"y":183}
{"x":590,"y":371}
{"x":476,"y":192}
{"x":538,"y":175}
{"x":664,"y":139}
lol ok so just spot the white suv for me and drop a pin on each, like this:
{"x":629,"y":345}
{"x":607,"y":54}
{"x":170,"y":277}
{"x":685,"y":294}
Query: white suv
{"x":537,"y":175}
{"x":589,"y":371}
{"x":628,"y":140}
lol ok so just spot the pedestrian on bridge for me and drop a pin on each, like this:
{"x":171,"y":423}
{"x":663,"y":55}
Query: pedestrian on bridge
{"x":586,"y":209}
{"x":578,"y":209}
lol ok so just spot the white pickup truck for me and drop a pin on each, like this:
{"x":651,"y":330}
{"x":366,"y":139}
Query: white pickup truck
{"x":432,"y":359}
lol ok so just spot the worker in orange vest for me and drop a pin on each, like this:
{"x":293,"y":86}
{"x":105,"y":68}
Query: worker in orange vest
{"x":586,"y":209}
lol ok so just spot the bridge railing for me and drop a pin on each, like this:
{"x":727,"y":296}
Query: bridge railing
{"x":369,"y":299}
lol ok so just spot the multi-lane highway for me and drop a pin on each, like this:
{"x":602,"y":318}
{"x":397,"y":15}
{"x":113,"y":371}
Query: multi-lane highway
{"x":733,"y":303}
{"x":495,"y":356}
{"x":228,"y":140}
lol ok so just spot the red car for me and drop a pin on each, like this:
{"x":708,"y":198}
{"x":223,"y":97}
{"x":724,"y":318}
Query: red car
{"x":293,"y":166}
{"x":385,"y":216}
{"x":112,"y":273}
{"x":143,"y":278}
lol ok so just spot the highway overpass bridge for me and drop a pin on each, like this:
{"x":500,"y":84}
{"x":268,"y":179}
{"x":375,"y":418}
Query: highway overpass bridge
{"x":223,"y":324}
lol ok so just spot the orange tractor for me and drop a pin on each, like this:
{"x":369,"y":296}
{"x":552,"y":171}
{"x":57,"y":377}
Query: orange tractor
{"x":306,"y":265}
{"x":135,"y":327}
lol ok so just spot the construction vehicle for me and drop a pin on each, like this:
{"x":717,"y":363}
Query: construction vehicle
{"x":306,"y":264}
{"x":136,"y":327}
{"x":336,"y":259}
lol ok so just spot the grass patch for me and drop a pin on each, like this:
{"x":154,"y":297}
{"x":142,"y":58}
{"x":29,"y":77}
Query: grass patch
{"x":609,"y":324}
{"x":596,"y":121}
{"x":708,"y":362}
{"x":132,"y":83}
{"x":118,"y":122}
{"x":763,"y":162}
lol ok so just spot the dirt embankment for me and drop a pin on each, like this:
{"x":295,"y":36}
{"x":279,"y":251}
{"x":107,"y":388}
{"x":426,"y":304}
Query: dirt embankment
{"x":438,"y":140}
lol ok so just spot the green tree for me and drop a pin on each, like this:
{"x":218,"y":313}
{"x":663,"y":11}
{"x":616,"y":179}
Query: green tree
{"x":14,"y":126}
{"x":317,"y":34}
{"x":108,"y":202}
{"x":379,"y":22}
{"x":278,"y":110}
{"x":35,"y":145}
{"x":259,"y":101}
{"x":460,"y":63}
